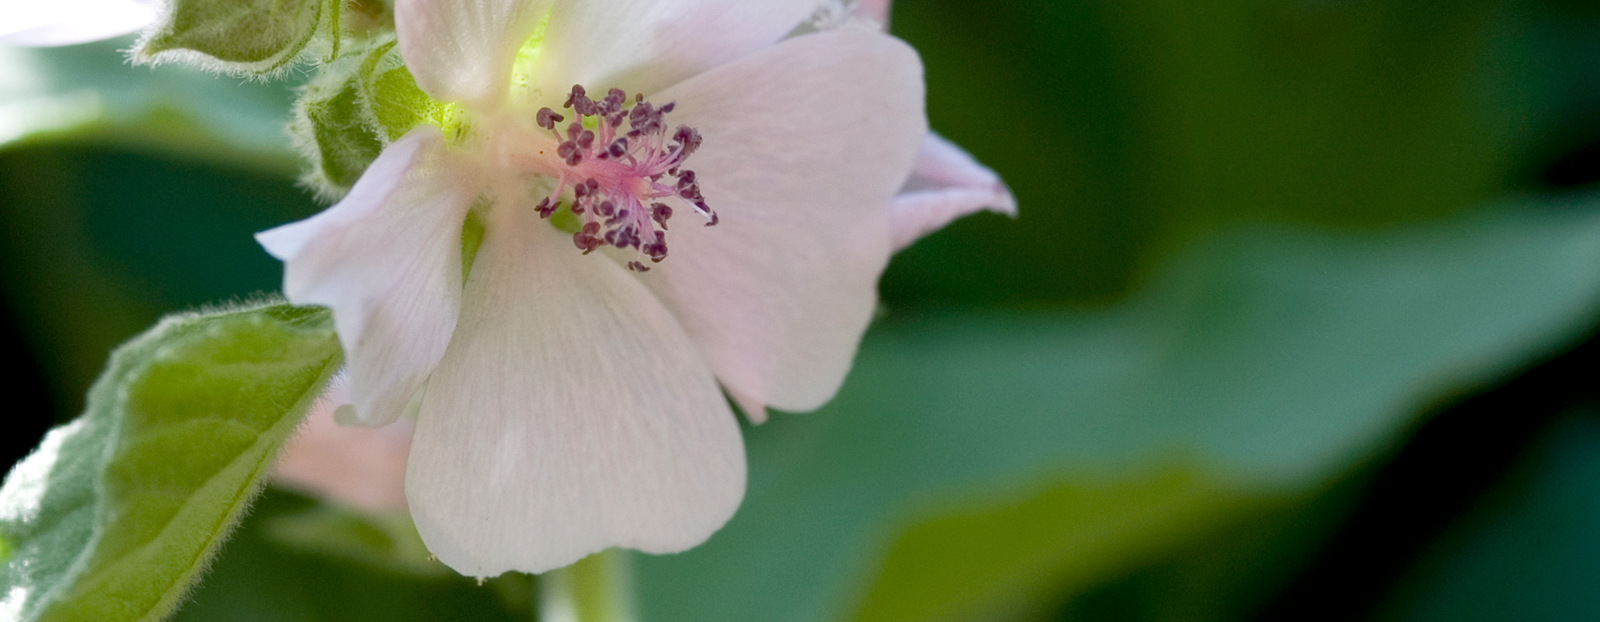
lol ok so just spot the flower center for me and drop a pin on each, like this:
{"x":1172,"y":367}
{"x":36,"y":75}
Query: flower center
{"x":616,"y":177}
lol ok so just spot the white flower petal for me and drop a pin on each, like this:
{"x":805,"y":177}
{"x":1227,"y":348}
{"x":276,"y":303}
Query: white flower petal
{"x":570,"y":414}
{"x":805,"y":143}
{"x":463,"y":50}
{"x":647,"y":45}
{"x":946,"y":184}
{"x":875,"y":9}
{"x":387,"y":260}
{"x":755,"y":410}
{"x":68,"y":22}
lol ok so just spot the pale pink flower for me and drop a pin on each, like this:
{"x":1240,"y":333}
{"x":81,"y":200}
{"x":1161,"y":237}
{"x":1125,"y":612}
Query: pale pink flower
{"x":565,"y":403}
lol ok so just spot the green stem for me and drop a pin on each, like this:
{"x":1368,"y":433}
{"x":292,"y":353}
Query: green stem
{"x":599,"y":588}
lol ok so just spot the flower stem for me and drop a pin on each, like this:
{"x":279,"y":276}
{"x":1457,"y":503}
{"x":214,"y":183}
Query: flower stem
{"x":599,"y":588}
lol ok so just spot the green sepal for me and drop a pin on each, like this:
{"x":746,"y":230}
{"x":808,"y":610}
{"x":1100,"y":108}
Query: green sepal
{"x":333,"y":129}
{"x":358,"y":104}
{"x":250,"y":37}
{"x":116,"y":513}
{"x":393,"y":101}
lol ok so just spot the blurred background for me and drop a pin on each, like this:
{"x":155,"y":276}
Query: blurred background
{"x":1298,"y":321}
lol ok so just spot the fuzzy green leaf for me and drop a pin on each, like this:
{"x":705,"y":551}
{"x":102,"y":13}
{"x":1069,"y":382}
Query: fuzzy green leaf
{"x":117,"y":512}
{"x":252,"y":37}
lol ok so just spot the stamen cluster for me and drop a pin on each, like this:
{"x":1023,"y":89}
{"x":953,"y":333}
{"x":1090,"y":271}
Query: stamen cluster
{"x":617,"y":177}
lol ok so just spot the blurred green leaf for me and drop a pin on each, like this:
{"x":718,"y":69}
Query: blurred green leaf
{"x":112,"y":518}
{"x":1228,"y":572}
{"x":1126,"y":126}
{"x":1169,"y":544}
{"x":89,"y":94}
{"x":1272,"y":356}
{"x":385,"y":540}
{"x":97,"y":244}
{"x":1530,"y":550}
{"x":982,"y":558}
{"x":261,"y":576}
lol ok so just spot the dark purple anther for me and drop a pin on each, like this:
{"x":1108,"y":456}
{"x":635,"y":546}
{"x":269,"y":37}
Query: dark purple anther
{"x":585,"y":241}
{"x":578,"y":102}
{"x":688,"y":137}
{"x":635,"y":164}
{"x":657,"y":250}
{"x":548,"y":118}
{"x":569,"y":152}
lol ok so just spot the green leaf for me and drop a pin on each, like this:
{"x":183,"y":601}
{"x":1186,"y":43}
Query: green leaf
{"x":1272,"y":357}
{"x":115,"y":514}
{"x":1527,"y":550}
{"x":381,"y":540}
{"x":266,"y":574}
{"x":1164,"y":120}
{"x":88,"y":94}
{"x":1226,"y":573}
{"x":1015,"y":553}
{"x":249,"y":37}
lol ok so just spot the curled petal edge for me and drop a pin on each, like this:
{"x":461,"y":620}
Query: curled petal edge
{"x":946,"y":184}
